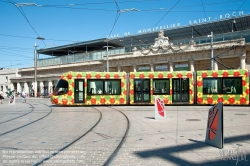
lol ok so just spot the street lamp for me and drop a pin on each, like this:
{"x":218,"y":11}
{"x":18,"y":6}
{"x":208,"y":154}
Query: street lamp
{"x":233,"y":22}
{"x":35,"y":66}
{"x":212,"y":51}
{"x":107,"y":53}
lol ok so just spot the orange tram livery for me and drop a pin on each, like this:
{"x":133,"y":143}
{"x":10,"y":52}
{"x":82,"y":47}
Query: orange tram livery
{"x":208,"y":87}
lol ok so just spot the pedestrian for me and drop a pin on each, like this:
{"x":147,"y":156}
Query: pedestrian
{"x":23,"y":96}
{"x":1,"y":96}
{"x":45,"y":92}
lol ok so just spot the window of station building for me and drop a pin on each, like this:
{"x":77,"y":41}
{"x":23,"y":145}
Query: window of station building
{"x":161,"y":86}
{"x":61,"y":88}
{"x":181,"y":67}
{"x":107,"y":87}
{"x":222,"y":85}
{"x":161,"y":68}
{"x":144,"y":68}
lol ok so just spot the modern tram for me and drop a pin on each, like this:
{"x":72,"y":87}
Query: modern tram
{"x":208,"y":87}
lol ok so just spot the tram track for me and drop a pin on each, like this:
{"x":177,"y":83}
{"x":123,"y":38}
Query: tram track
{"x":17,"y":128}
{"x":112,"y":156}
{"x":19,"y":116}
{"x":70,"y":143}
{"x":113,"y":153}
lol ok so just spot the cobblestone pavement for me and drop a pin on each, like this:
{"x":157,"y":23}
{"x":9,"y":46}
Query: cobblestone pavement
{"x":178,"y":140}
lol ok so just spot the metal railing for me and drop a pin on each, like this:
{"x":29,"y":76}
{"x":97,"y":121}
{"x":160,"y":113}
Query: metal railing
{"x":82,"y":57}
{"x":217,"y":38}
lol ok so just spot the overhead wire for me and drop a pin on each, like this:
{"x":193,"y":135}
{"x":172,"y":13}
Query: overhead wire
{"x":36,"y":38}
{"x":117,"y":17}
{"x":241,"y":5}
{"x":18,"y":64}
{"x":13,"y":54}
{"x":203,"y":9}
{"x":117,"y":14}
{"x":16,"y":48}
{"x":26,"y":18}
{"x":147,"y":10}
{"x":167,"y":12}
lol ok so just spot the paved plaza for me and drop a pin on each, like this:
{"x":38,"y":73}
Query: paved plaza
{"x":178,"y":140}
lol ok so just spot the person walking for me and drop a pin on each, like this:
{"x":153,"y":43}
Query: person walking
{"x":23,"y":96}
{"x":1,"y":96}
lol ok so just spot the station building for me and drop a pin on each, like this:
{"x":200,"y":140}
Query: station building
{"x":5,"y":79}
{"x":217,"y":45}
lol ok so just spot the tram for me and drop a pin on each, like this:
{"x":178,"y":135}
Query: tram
{"x":91,"y":88}
{"x":231,"y":87}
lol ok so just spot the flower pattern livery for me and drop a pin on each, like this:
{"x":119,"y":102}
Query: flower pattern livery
{"x":68,"y":99}
{"x":226,"y":99}
{"x":161,"y":75}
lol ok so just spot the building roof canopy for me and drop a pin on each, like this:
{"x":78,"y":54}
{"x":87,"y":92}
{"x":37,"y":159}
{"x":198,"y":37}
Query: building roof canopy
{"x":196,"y":30}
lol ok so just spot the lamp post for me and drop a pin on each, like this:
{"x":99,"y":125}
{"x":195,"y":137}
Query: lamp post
{"x":233,"y":22}
{"x":107,"y":53}
{"x":212,"y":51}
{"x":35,"y":67}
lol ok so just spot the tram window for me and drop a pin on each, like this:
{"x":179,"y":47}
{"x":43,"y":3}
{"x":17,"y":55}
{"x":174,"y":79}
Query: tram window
{"x":161,"y":86}
{"x":232,"y":85}
{"x":211,"y":85}
{"x":113,"y":87}
{"x":222,"y":85}
{"x":61,"y":88}
{"x":95,"y":87}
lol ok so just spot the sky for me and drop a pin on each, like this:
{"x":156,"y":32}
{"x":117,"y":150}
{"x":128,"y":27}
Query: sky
{"x":62,"y":22}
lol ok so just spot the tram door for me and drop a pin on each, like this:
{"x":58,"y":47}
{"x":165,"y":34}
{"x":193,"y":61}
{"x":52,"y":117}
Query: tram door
{"x":180,"y":88}
{"x":79,"y":91}
{"x":142,"y":90}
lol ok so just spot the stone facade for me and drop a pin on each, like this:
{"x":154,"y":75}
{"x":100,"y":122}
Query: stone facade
{"x":5,"y":79}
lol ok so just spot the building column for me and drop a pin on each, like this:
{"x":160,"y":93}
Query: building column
{"x":215,"y":65}
{"x":134,"y":66}
{"x":171,"y":68}
{"x":41,"y":87}
{"x":152,"y":67}
{"x":50,"y":87}
{"x":18,"y":87}
{"x":191,"y":61}
{"x":26,"y":88}
{"x":11,"y":86}
{"x":243,"y":61}
{"x":119,"y":68}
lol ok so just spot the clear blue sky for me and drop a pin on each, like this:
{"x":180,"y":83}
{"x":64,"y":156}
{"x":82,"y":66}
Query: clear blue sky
{"x":63,"y":22}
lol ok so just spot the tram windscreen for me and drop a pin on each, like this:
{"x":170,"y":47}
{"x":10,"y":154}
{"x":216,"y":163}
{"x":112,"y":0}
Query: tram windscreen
{"x":61,"y":88}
